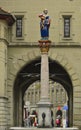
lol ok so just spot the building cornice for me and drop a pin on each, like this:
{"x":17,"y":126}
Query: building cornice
{"x":4,"y":15}
{"x":36,"y":44}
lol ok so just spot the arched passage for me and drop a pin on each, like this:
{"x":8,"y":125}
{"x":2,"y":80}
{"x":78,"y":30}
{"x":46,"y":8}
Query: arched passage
{"x":31,"y":73}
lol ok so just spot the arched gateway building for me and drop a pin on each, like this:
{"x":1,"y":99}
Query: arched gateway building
{"x":20,"y":55}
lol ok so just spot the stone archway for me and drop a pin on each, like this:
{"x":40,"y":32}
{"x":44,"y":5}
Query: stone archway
{"x":34,"y":59}
{"x":75,"y":86}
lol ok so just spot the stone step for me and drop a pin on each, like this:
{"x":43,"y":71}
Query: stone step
{"x":35,"y":128}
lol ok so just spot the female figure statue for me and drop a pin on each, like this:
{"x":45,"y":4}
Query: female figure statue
{"x":44,"y":25}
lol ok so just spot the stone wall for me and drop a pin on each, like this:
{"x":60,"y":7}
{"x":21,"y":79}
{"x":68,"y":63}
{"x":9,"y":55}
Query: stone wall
{"x":3,"y":113}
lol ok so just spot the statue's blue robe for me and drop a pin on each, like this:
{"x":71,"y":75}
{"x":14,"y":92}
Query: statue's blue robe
{"x":45,"y":29}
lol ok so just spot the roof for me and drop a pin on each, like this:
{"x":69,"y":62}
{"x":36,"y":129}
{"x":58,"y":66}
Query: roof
{"x":7,"y":16}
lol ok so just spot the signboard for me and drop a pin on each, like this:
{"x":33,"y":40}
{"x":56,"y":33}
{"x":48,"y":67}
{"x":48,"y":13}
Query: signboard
{"x":65,"y":107}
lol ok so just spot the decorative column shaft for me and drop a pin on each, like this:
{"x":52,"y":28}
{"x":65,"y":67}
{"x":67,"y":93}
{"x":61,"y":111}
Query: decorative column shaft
{"x":44,"y":105}
{"x":44,"y":76}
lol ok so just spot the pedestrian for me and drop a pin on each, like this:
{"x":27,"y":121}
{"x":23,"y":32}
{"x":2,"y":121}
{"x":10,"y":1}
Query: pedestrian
{"x":58,"y":116}
{"x":28,"y":122}
{"x":52,"y":120}
{"x":58,"y":121}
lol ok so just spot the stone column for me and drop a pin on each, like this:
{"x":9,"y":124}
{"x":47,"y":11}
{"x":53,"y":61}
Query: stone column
{"x":44,"y":105}
{"x":44,"y":76}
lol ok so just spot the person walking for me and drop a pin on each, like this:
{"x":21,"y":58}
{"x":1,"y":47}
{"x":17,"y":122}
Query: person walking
{"x":58,"y":116}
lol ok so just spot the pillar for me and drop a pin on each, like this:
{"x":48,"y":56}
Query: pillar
{"x":44,"y":105}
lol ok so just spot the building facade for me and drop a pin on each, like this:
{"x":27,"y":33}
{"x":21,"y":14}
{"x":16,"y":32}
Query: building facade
{"x":20,"y":55}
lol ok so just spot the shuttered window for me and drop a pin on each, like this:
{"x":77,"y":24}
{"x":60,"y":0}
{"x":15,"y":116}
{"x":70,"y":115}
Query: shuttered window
{"x":18,"y":26}
{"x":67,"y":26}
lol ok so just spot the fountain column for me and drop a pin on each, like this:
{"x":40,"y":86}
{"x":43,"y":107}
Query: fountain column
{"x":44,"y":105}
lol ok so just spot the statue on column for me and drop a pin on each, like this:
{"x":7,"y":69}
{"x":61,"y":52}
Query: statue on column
{"x":44,"y":24}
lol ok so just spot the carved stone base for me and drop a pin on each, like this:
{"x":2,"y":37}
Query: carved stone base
{"x":44,"y":106}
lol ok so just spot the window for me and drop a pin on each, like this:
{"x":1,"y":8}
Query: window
{"x":18,"y":26}
{"x":67,"y":26}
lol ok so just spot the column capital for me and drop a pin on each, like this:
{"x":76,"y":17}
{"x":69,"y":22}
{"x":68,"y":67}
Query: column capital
{"x":44,"y":45}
